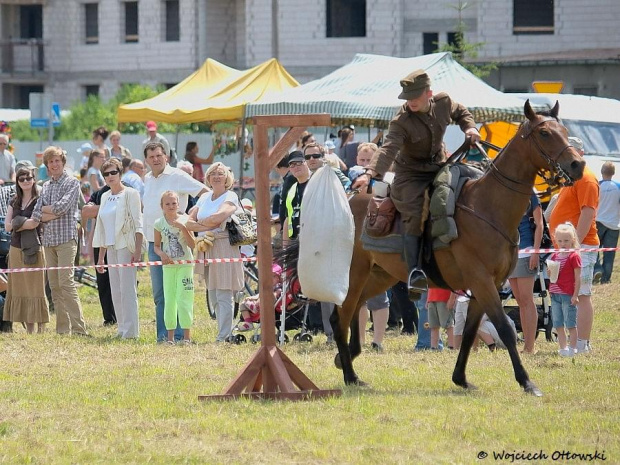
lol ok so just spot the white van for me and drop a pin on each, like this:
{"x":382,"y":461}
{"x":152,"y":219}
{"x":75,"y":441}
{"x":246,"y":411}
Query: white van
{"x":595,"y":120}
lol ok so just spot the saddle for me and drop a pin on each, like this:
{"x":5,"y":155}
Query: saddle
{"x":382,"y":230}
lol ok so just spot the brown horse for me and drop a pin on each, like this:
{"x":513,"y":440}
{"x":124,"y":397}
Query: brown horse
{"x":488,"y":213}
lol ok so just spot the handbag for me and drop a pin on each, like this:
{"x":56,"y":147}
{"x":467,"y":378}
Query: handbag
{"x":5,"y":240}
{"x":129,"y":229}
{"x":546,"y":242}
{"x":380,"y":216}
{"x":241,"y":229}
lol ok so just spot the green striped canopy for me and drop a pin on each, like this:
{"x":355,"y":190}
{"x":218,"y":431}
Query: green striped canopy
{"x":366,"y":91}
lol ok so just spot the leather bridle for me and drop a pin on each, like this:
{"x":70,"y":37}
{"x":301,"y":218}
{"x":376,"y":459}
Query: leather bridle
{"x":558,"y":175}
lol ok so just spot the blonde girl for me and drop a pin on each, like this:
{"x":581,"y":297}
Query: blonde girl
{"x":565,"y":290}
{"x":173,"y":242}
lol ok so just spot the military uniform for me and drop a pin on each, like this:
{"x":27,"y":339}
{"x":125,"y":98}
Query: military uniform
{"x":415,"y":145}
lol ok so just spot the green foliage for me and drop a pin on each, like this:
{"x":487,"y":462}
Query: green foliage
{"x":465,"y":52}
{"x":85,"y":116}
{"x":21,"y":130}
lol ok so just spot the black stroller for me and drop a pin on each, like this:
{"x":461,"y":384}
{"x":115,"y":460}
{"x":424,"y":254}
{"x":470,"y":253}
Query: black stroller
{"x":541,"y":299}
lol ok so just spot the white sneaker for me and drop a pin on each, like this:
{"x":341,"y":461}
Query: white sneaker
{"x":566,"y":352}
{"x":583,"y":346}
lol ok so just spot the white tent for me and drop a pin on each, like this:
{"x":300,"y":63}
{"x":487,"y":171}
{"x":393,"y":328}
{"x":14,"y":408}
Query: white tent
{"x":366,"y":91}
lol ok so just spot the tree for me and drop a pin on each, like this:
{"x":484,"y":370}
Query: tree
{"x":465,"y":52}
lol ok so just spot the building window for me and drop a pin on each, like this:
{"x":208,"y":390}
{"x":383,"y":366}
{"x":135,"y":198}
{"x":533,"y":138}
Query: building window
{"x":454,"y":40}
{"x":31,"y":21}
{"x":430,"y":40}
{"x":131,"y":22}
{"x":91,"y":13}
{"x":173,"y":29}
{"x":91,"y":90}
{"x":346,"y":18}
{"x":532,"y":17}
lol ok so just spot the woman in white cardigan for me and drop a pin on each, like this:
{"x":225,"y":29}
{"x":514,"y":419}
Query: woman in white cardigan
{"x":118,"y":232}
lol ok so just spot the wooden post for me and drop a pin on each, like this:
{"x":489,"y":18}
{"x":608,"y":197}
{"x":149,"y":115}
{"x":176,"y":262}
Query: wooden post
{"x":269,"y":368}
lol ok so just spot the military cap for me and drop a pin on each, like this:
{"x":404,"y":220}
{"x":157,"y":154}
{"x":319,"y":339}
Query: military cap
{"x":414,"y":84}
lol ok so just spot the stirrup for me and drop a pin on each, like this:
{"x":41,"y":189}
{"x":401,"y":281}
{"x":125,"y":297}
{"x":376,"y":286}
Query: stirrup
{"x":416,"y":284}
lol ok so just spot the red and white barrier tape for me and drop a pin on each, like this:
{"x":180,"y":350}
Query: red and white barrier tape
{"x":125,"y":265}
{"x":253,"y":259}
{"x":583,"y":249}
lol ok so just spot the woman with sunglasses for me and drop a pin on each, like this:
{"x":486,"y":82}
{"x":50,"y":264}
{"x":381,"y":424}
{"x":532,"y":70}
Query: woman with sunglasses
{"x":118,"y":234}
{"x":25,"y":297}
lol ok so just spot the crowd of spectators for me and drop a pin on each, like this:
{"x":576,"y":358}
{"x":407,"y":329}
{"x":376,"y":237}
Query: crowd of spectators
{"x":162,"y":209}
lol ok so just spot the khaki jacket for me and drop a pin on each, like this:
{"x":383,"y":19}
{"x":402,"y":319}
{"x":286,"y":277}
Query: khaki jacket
{"x":415,"y":139}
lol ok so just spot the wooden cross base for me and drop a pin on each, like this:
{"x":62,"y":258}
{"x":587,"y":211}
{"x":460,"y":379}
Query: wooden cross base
{"x":271,"y":370}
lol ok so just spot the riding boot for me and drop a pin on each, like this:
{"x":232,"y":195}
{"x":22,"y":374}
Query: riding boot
{"x":416,"y":284}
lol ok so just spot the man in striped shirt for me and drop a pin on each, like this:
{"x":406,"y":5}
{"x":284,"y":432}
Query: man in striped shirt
{"x":57,"y":207}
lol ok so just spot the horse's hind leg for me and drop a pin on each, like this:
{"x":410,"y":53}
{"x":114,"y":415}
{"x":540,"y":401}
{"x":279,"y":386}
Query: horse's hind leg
{"x":504,"y":330}
{"x":474,"y":314}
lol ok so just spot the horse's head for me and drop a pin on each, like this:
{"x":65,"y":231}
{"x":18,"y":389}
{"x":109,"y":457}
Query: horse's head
{"x":551,"y":151}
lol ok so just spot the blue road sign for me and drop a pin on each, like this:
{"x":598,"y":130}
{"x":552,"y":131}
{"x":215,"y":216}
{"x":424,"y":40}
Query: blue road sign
{"x":56,"y":114}
{"x":39,"y":123}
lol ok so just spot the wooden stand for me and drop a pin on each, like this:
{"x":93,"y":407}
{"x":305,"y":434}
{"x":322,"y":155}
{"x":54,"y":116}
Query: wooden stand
{"x":270,"y":374}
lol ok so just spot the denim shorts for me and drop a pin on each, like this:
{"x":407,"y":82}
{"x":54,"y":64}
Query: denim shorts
{"x":378,"y":302}
{"x":522,"y":269}
{"x":588,"y":259}
{"x":562,"y":312}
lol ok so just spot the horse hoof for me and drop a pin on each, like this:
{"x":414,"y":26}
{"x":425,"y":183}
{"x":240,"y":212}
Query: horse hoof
{"x":533,"y":390}
{"x":337,"y":362}
{"x":467,"y":386}
{"x":355,"y":382}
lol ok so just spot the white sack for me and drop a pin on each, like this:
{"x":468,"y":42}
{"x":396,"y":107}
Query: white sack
{"x":325,"y":238}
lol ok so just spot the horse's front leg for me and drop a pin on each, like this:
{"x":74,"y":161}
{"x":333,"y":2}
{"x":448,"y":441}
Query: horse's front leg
{"x":343,"y":359}
{"x":506,"y":334}
{"x":474,"y":314}
{"x":355,"y":343}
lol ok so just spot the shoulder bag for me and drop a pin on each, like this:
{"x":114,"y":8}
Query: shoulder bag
{"x":241,"y":228}
{"x":380,"y":216}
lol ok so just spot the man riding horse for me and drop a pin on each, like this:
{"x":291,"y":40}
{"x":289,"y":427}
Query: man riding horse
{"x":414,"y":147}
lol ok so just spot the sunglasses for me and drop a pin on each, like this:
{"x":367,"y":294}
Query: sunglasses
{"x":316,"y":156}
{"x":25,"y":178}
{"x":293,"y":164}
{"x":110,"y":173}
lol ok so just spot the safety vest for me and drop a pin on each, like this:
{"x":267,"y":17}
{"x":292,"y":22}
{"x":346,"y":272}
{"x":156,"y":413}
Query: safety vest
{"x":290,"y":210}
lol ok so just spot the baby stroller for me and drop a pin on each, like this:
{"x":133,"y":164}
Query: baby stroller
{"x":541,"y":299}
{"x":294,"y":316}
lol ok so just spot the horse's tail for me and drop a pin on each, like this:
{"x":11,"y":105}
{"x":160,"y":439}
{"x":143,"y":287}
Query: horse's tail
{"x":287,"y":257}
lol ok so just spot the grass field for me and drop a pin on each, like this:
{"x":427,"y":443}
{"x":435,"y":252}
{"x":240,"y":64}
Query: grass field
{"x":101,"y":400}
